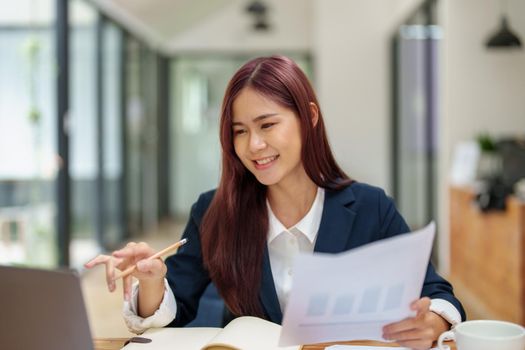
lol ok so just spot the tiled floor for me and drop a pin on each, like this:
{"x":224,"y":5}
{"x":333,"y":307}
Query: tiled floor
{"x":104,"y":308}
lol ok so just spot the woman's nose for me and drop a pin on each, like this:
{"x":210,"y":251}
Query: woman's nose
{"x":257,"y":142}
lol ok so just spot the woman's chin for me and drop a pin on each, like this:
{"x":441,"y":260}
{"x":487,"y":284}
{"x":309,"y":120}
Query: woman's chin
{"x":267,"y":180}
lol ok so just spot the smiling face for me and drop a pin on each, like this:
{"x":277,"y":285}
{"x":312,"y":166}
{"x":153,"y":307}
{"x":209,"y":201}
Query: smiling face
{"x":267,"y":138}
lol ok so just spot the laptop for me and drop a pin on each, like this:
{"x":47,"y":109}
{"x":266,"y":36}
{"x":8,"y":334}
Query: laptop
{"x":42,"y":310}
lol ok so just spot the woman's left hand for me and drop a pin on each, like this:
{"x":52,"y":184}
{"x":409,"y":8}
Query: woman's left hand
{"x":420,"y":331}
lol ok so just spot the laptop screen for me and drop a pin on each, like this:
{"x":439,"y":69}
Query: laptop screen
{"x":42,"y":310}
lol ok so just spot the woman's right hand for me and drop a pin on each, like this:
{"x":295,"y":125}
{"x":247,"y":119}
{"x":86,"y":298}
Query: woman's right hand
{"x":133,"y":253}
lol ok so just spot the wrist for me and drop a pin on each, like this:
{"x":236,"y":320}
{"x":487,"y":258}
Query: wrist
{"x":150,"y":296}
{"x":151,"y":283}
{"x":440,"y":324}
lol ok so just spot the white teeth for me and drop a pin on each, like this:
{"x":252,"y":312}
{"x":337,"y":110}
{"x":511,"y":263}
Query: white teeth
{"x":265,"y":160}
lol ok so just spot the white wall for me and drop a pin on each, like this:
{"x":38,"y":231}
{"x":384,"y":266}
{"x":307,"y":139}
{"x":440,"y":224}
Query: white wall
{"x":352,"y":59}
{"x":483,"y":91}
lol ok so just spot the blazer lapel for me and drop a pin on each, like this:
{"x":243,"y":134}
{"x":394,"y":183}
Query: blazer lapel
{"x":267,"y":293}
{"x":336,"y":223}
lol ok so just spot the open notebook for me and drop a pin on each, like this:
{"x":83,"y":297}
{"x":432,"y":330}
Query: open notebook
{"x":243,"y":333}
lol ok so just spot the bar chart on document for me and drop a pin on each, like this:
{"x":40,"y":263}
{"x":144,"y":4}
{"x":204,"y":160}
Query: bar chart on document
{"x":352,"y":295}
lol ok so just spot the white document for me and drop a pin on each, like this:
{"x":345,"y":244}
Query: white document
{"x":352,"y":295}
{"x":361,"y":347}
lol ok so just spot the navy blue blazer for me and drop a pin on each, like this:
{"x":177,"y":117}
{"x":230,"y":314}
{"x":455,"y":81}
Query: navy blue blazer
{"x":354,"y":216}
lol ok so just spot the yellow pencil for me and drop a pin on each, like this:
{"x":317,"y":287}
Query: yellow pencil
{"x":162,"y":252}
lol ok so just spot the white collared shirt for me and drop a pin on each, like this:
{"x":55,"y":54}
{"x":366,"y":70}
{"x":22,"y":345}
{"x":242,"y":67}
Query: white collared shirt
{"x":283,"y":245}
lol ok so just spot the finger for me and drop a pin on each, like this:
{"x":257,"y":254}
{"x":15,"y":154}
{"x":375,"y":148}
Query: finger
{"x":401,"y":326}
{"x":127,"y":285}
{"x":154,"y":266}
{"x":421,"y":306}
{"x":160,"y":266}
{"x":124,"y":252}
{"x":408,"y":335}
{"x":110,"y":274}
{"x":119,"y":263}
{"x":412,"y":334}
{"x":135,"y":251}
{"x":99,"y":259}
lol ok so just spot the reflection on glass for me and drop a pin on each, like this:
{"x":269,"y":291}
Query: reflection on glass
{"x":149,"y":140}
{"x":112,"y":43}
{"x":142,"y":138}
{"x":83,"y":138}
{"x":134,"y":121}
{"x":27,"y":137}
{"x":197,"y":91}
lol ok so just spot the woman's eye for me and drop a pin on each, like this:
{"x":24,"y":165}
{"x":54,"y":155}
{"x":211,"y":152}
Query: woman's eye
{"x":239,"y":131}
{"x":267,"y":125}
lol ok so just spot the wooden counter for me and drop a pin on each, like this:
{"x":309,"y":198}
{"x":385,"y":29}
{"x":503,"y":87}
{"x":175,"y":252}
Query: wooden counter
{"x":488,"y":255}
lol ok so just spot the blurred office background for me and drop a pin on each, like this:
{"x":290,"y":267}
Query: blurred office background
{"x":109,"y":111}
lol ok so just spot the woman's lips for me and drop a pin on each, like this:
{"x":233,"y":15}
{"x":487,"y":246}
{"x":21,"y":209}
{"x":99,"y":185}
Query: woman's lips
{"x":264,"y":163}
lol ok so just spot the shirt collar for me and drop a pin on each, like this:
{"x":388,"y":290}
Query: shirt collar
{"x":308,"y":225}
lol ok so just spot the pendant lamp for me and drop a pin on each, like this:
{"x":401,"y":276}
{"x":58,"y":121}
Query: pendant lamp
{"x":258,"y":9}
{"x":504,"y":37}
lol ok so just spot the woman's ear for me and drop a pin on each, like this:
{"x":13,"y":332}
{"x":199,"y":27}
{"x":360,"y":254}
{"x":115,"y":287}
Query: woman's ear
{"x":314,"y":110}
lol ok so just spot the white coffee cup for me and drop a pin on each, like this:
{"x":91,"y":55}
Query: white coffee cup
{"x":485,"y":335}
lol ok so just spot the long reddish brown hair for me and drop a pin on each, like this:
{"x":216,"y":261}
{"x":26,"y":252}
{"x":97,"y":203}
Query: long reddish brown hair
{"x":235,"y":226}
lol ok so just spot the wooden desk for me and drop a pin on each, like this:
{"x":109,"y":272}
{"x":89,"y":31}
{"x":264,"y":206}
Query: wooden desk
{"x":118,"y":343}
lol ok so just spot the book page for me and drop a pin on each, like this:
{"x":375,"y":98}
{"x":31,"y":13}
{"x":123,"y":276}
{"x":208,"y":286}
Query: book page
{"x":248,"y":333}
{"x":361,"y":347}
{"x":175,"y":338}
{"x":354,"y":294}
{"x":357,"y":347}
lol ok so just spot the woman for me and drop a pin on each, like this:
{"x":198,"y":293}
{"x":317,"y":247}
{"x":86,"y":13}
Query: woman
{"x":281,"y":192}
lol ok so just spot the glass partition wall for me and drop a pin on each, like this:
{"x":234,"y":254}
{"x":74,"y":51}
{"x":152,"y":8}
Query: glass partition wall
{"x":27,"y":135}
{"x":142,"y":138}
{"x":140,"y":132}
{"x":112,"y":172}
{"x":94,"y":124}
{"x":83,"y":131}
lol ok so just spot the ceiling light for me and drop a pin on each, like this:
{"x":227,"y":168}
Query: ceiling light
{"x":504,"y":37}
{"x":258,"y":10}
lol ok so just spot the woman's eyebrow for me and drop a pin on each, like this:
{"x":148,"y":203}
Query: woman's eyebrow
{"x":258,"y":118}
